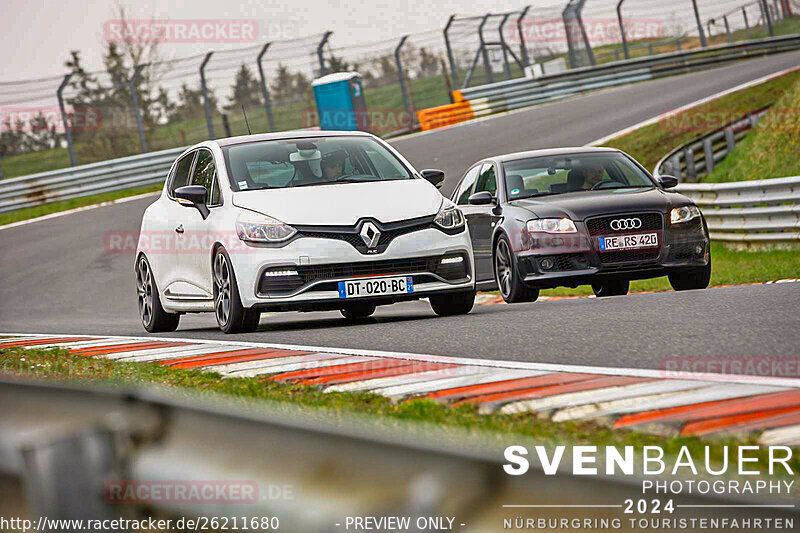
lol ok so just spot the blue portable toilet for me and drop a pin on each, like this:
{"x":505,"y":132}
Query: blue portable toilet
{"x":340,"y":102}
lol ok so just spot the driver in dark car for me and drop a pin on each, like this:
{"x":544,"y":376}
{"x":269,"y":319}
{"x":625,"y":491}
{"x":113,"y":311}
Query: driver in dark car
{"x":592,"y":175}
{"x":333,"y":164}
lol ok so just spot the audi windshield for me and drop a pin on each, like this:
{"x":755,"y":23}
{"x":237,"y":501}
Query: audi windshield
{"x":541,"y":176}
{"x":277,"y":164}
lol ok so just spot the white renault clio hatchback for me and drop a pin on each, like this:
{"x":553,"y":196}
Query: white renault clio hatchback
{"x":305,"y":221}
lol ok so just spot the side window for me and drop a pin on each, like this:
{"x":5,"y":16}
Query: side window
{"x":205,"y":175}
{"x":487,"y":179}
{"x":181,"y":175}
{"x":465,"y":189}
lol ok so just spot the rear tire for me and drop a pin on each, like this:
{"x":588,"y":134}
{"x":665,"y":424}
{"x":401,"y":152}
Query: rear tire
{"x":689,"y":279}
{"x":154,"y":318}
{"x":512,"y":288}
{"x":453,"y":304}
{"x":611,"y":288}
{"x":231,"y":315}
{"x":358,"y":311}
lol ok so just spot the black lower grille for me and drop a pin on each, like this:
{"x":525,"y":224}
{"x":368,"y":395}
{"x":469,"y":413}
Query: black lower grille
{"x":602,"y":225}
{"x":367,"y":268}
{"x":626,"y":256}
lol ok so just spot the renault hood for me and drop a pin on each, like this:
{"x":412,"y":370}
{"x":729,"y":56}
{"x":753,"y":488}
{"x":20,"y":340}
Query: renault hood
{"x":345,"y":203}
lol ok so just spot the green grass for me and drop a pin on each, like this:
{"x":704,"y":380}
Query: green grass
{"x":650,"y":143}
{"x":728,"y":267}
{"x":60,"y":364}
{"x":772,"y":149}
{"x":64,"y":205}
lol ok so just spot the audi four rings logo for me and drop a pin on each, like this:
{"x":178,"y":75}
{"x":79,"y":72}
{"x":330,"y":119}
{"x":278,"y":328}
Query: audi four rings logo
{"x":626,"y":223}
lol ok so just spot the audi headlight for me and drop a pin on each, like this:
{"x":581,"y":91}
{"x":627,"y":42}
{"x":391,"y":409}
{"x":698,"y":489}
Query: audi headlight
{"x":449,"y":216}
{"x":683,"y":214}
{"x":255,"y":227}
{"x":552,"y":225}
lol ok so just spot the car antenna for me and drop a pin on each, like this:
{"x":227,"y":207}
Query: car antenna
{"x":245,"y":121}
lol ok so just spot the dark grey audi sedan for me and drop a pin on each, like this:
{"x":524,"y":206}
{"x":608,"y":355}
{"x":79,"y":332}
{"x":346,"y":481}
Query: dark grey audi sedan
{"x":579,"y":216}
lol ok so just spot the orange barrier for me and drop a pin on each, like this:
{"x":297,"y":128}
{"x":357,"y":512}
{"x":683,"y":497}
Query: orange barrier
{"x":444,"y":115}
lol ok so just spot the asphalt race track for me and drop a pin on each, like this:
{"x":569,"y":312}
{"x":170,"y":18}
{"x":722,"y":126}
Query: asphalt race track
{"x":58,"y":278}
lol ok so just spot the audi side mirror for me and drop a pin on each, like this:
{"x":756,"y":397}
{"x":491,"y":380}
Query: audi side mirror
{"x":481,"y":198}
{"x":193,"y":196}
{"x":668,"y":182}
{"x":436,"y":177}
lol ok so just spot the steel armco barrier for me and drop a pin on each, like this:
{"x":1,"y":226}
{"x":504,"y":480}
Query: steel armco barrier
{"x":698,"y":157}
{"x":67,"y":442}
{"x":513,"y":94}
{"x":84,"y":180}
{"x":750,"y":213}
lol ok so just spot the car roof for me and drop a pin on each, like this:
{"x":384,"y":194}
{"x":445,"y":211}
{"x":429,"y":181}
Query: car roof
{"x":293,"y":134}
{"x":550,"y":152}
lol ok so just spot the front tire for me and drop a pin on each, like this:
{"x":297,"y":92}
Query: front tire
{"x":512,"y":288}
{"x":358,"y":311}
{"x":693,"y":278}
{"x":154,"y":318}
{"x":231,"y":315}
{"x":611,"y":288}
{"x":453,"y":304}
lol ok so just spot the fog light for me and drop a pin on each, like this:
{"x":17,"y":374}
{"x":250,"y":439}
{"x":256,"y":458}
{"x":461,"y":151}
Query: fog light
{"x":548,"y":263}
{"x":698,"y":249}
{"x":452,"y":260}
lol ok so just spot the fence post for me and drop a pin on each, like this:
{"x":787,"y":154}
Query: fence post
{"x":450,"y":58}
{"x":402,"y":78}
{"x":703,"y":43}
{"x":767,"y":18}
{"x":264,"y":91}
{"x":588,"y":46}
{"x":730,"y":140}
{"x":206,"y":102}
{"x":676,"y":166}
{"x":226,"y":125}
{"x":708,"y":152}
{"x":67,"y":133}
{"x":506,"y":66}
{"x":320,"y":55}
{"x":727,"y":28}
{"x":136,"y":109}
{"x":622,"y":30}
{"x":523,"y":50}
{"x":746,"y":24}
{"x":487,"y":67}
{"x":691,"y":172}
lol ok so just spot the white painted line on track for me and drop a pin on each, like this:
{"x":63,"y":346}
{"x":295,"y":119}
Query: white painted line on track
{"x":766,"y":381}
{"x":657,"y":118}
{"x":79,"y":209}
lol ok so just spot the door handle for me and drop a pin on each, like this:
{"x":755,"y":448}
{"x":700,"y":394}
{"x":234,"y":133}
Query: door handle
{"x":179,"y":229}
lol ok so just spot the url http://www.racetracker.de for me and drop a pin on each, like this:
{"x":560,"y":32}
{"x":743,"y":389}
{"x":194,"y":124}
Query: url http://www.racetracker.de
{"x":223,"y":523}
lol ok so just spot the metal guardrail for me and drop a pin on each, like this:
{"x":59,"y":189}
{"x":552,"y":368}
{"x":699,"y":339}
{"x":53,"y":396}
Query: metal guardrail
{"x":67,"y":442}
{"x":513,"y":94}
{"x":84,"y":180}
{"x":700,"y":156}
{"x":757,"y":212}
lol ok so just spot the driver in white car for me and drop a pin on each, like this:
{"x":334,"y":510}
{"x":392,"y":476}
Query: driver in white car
{"x":333,"y":164}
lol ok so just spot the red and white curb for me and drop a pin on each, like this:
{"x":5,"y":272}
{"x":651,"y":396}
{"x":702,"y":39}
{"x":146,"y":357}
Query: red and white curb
{"x":654,"y":401}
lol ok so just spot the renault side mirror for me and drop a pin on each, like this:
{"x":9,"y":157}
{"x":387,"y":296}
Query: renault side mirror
{"x":436,"y":177}
{"x":193,"y":196}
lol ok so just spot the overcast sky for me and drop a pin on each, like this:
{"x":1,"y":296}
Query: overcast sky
{"x":37,"y":35}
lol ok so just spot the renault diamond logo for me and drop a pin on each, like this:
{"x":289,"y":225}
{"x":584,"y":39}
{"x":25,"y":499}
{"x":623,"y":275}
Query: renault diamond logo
{"x":370,"y":235}
{"x":626,"y":223}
